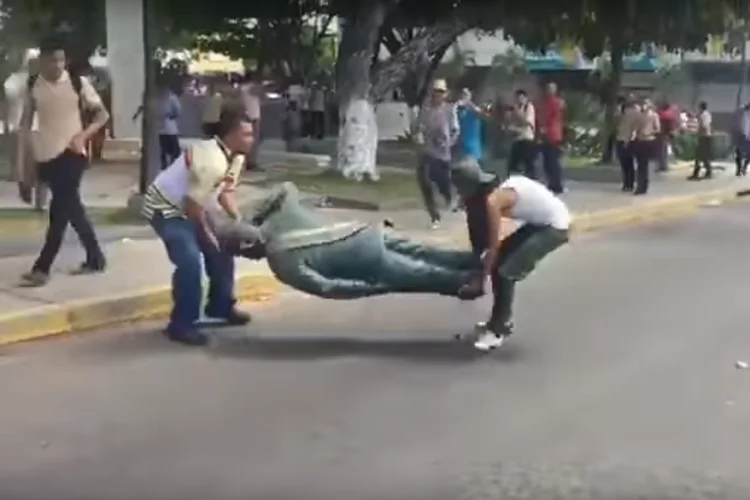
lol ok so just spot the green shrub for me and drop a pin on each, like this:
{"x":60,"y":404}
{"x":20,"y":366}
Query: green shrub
{"x":685,"y":146}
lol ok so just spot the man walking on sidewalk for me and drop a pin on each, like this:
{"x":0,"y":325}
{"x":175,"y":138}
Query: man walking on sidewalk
{"x":703,"y":153}
{"x":59,"y":99}
{"x":438,"y":130}
{"x":176,"y":203}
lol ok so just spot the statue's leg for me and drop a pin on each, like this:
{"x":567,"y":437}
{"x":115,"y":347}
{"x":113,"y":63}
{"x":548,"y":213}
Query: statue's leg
{"x":451,"y":259}
{"x":405,"y":274}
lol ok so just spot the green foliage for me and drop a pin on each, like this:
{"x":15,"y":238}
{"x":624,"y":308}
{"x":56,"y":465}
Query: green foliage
{"x":685,"y":146}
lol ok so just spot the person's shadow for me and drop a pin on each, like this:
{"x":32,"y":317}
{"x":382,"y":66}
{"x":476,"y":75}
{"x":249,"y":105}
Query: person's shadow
{"x":314,"y":347}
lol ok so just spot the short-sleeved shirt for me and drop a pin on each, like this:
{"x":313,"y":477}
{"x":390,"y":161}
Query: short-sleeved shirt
{"x":439,"y":127}
{"x":58,"y":110}
{"x":170,"y":108}
{"x":200,"y":173}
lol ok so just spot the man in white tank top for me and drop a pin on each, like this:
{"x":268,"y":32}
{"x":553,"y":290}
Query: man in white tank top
{"x":177,"y":203}
{"x":545,"y":223}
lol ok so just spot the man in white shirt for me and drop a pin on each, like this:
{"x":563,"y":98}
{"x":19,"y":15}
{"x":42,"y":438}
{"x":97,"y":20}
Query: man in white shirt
{"x":522,"y":125}
{"x":545,"y":223}
{"x":251,"y":96}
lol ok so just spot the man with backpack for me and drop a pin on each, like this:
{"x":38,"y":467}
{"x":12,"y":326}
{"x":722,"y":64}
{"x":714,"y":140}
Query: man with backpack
{"x":60,"y":100}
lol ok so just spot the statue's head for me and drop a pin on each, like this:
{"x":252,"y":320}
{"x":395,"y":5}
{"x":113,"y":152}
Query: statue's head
{"x":468,"y":177}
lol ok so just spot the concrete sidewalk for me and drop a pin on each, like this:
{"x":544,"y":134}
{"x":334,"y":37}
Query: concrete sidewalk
{"x":136,"y":286}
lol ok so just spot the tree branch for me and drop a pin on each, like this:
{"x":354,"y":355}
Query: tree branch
{"x":390,"y":73}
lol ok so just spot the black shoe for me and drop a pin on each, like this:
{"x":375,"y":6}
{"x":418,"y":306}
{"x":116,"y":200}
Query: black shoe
{"x":89,"y":268}
{"x":235,"y":317}
{"x":190,"y":337}
{"x":639,"y":192}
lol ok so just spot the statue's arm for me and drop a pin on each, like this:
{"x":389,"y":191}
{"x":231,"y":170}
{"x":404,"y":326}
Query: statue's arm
{"x":310,"y":281}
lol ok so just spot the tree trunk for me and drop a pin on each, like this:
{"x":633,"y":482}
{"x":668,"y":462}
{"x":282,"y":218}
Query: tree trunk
{"x":358,"y":130}
{"x":614,"y":84}
{"x":743,"y":77}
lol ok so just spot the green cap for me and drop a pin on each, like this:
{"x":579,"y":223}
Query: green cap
{"x":468,"y":176}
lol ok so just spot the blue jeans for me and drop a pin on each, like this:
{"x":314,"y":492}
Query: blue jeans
{"x":185,"y":249}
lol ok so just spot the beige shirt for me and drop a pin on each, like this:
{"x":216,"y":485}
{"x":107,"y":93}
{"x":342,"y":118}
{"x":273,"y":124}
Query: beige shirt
{"x":704,"y":123}
{"x":212,"y":109}
{"x":58,"y":111}
{"x":648,"y":126}
{"x":628,"y":124}
{"x":200,"y":173}
{"x":524,"y":122}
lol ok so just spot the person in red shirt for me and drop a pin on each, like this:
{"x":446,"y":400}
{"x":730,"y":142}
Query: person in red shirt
{"x":668,"y":120}
{"x":550,"y":126}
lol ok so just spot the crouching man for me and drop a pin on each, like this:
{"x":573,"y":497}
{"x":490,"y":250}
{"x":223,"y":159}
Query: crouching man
{"x":203,"y":177}
{"x":344,"y":260}
{"x":545,"y":223}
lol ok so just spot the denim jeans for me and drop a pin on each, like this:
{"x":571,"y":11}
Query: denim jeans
{"x":186,"y":250}
{"x":433,"y":170}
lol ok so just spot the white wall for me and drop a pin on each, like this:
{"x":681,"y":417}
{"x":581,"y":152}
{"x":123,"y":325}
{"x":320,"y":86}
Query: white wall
{"x":125,"y":57}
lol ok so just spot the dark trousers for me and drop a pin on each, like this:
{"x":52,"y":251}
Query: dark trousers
{"x":519,"y":254}
{"x":644,"y":151}
{"x":551,"y":154}
{"x":318,"y":124}
{"x":169,"y":148}
{"x":433,"y":170}
{"x":703,"y":156}
{"x":63,"y":177}
{"x":521,"y":158}
{"x":742,"y":155}
{"x":188,"y":253}
{"x":627,"y":164}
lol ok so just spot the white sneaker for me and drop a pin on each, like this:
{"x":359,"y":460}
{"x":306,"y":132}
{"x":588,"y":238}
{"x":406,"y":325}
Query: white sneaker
{"x":435,"y":225}
{"x":489,"y":341}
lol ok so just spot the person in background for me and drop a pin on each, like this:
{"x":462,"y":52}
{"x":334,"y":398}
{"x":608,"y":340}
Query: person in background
{"x":550,"y":117}
{"x":742,"y":146}
{"x":203,"y":177}
{"x":438,"y":132}
{"x":627,"y":124}
{"x":317,"y":112}
{"x":703,"y":154}
{"x":60,"y":150}
{"x":610,"y":147}
{"x":211,"y":110}
{"x":292,"y":125}
{"x":644,"y":147}
{"x":251,"y":96}
{"x":522,"y":125}
{"x":170,"y":110}
{"x":669,"y":122}
{"x":15,"y":94}
{"x":470,"y":117}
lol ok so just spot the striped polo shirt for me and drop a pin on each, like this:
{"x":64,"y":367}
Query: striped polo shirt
{"x":201,"y":173}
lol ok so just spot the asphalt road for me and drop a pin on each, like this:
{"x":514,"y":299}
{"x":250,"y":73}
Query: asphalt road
{"x":620,"y":384}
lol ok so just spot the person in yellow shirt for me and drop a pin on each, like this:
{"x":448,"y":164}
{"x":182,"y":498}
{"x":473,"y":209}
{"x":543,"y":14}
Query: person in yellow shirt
{"x":177,"y":204}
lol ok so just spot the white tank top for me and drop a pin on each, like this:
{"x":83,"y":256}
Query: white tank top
{"x":536,"y":204}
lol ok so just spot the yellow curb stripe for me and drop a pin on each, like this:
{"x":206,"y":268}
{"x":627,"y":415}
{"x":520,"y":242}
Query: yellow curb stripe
{"x":155,"y":303}
{"x":78,"y":316}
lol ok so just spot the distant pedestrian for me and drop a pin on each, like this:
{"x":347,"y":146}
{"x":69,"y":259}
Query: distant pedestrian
{"x":551,"y":118}
{"x":59,"y":99}
{"x":742,"y":142}
{"x":292,"y":125}
{"x":470,"y":120}
{"x":522,"y":125}
{"x":669,"y":123}
{"x":252,"y":98}
{"x":438,"y":131}
{"x":170,"y":109}
{"x":627,"y":125}
{"x":645,"y":145}
{"x":211,"y":111}
{"x":703,"y":153}
{"x":317,"y":112}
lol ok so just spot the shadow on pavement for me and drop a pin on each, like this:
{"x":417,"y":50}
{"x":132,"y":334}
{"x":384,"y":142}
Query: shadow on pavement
{"x":316,"y":348}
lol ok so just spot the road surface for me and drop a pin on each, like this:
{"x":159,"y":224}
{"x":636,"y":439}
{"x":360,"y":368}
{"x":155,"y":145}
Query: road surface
{"x":620,"y":384}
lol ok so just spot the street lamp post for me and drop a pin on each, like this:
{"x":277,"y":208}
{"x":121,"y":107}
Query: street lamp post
{"x":150,"y":158}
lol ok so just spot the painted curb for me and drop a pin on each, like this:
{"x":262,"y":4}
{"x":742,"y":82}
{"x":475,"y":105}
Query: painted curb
{"x":79,"y":316}
{"x":155,"y":303}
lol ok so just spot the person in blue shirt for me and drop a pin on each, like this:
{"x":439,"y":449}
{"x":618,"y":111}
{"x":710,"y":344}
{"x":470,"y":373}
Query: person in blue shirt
{"x":470,"y":118}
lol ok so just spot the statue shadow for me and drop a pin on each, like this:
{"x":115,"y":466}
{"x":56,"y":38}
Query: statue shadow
{"x":319,"y":348}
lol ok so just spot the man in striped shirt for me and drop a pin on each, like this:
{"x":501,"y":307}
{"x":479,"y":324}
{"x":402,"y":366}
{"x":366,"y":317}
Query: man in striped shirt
{"x":177,"y":203}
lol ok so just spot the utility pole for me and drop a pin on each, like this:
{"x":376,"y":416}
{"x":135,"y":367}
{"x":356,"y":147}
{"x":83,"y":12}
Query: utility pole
{"x":149,"y":133}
